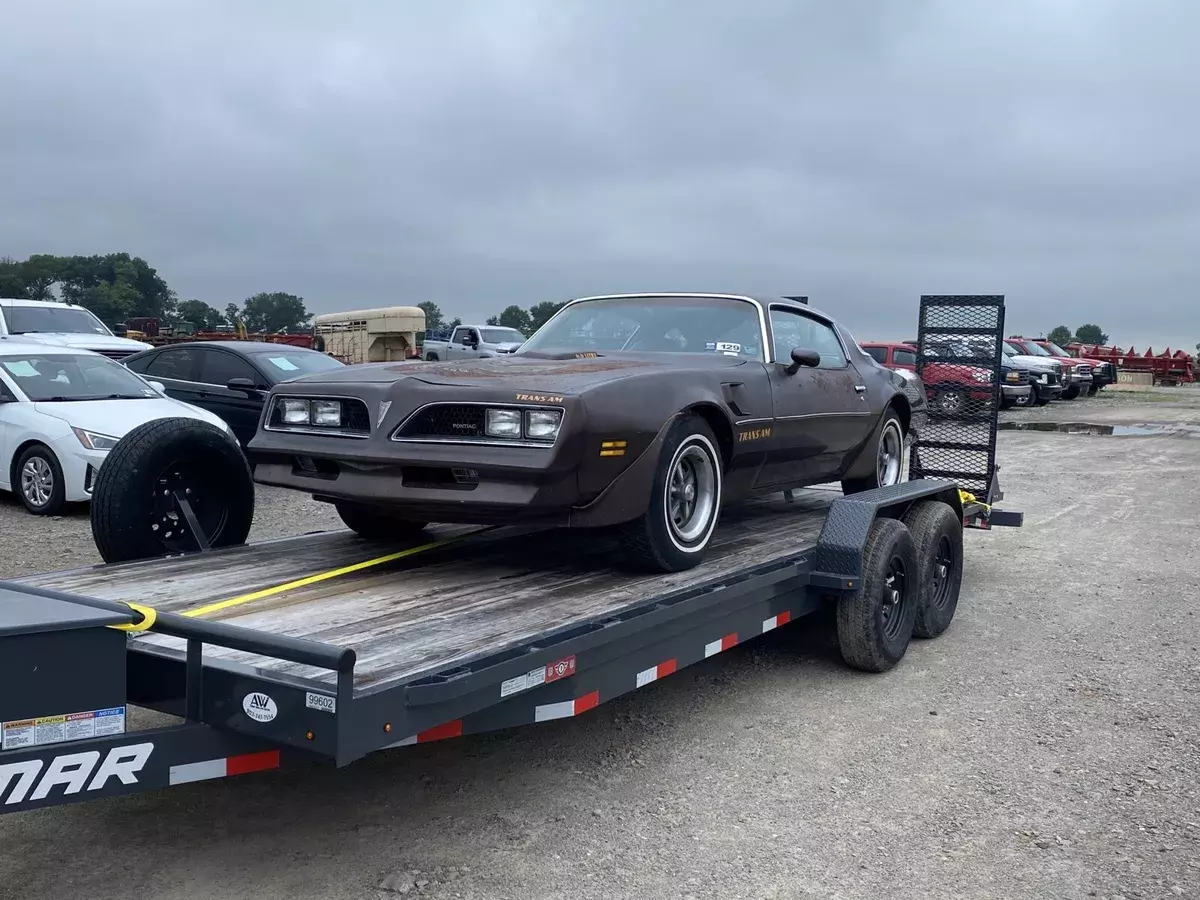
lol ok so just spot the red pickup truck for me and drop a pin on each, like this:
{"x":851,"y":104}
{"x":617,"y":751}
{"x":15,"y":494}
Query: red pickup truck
{"x":949,"y":385}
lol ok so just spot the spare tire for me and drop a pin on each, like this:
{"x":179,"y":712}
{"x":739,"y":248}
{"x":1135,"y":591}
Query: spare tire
{"x":136,"y":513}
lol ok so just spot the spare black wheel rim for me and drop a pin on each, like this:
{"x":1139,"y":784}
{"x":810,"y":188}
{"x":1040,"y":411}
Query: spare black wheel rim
{"x":178,"y":482}
{"x":943,"y":571}
{"x":895,"y":597}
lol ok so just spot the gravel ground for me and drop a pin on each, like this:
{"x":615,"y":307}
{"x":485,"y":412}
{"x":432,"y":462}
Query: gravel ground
{"x":1048,"y":746}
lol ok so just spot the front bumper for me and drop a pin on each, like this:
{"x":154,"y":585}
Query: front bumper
{"x":574,"y":481}
{"x":79,"y":467}
{"x":1016,"y":391}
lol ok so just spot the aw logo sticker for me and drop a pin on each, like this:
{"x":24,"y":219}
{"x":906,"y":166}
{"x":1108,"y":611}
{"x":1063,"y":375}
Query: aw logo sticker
{"x":260,"y":707}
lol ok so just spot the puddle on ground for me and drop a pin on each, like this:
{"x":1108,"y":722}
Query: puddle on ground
{"x":1144,"y":430}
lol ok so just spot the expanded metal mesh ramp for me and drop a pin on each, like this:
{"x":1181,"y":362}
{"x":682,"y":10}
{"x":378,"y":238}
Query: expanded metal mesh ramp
{"x":959,"y":358}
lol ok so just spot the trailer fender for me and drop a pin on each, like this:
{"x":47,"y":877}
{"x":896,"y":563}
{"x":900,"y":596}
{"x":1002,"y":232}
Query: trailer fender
{"x":839,"y":552}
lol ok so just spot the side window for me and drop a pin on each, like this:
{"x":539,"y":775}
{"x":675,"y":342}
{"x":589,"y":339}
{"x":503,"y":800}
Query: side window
{"x":461,"y":335}
{"x":139,"y":365}
{"x":217,"y":367}
{"x":879,"y":354}
{"x":790,"y":329}
{"x":176,"y":364}
{"x":904,"y":357}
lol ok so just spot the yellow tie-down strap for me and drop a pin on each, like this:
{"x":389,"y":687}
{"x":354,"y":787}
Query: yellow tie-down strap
{"x":149,"y":615}
{"x":966,"y":497}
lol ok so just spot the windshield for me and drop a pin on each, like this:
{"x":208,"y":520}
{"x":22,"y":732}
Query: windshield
{"x":1008,"y":349}
{"x":654,"y":324}
{"x":53,"y":377}
{"x":292,"y":363}
{"x":1029,"y":348}
{"x":1055,"y":349}
{"x":502,"y":336}
{"x":52,"y":319}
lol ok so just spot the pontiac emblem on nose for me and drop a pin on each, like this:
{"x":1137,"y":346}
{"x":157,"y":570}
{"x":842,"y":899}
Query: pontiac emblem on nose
{"x":384,"y":406}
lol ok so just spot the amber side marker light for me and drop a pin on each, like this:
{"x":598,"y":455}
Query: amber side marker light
{"x":612,"y":448}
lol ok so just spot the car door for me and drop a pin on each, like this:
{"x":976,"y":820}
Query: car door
{"x":819,"y":413}
{"x":240,"y":409}
{"x":175,"y":369}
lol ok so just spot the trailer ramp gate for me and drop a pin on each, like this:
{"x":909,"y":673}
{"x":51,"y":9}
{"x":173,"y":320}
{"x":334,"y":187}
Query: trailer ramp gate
{"x":959,"y":360}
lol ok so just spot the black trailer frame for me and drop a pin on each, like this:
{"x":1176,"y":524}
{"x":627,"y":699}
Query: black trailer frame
{"x":238,"y":719}
{"x":71,"y":665}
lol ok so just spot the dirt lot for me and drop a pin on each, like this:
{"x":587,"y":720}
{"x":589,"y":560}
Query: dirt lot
{"x":1048,"y":746}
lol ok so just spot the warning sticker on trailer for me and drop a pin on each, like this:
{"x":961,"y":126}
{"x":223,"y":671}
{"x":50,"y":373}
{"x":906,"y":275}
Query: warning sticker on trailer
{"x":561,"y":668}
{"x":45,"y":730}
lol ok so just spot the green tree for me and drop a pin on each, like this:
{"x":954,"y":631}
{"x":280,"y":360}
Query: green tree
{"x":1090,"y":334}
{"x":454,"y":323}
{"x":200,"y":314}
{"x":433,"y":315}
{"x":233,"y":312}
{"x":12,"y":278}
{"x":511,"y":317}
{"x":540,"y":313}
{"x":40,"y":273}
{"x":1061,"y":335}
{"x":275,"y":311}
{"x":114,"y":287}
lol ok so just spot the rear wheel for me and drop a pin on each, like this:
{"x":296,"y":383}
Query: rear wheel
{"x":937,"y":534}
{"x":685,"y":502}
{"x":875,"y":624}
{"x":376,"y":524}
{"x":889,"y":458}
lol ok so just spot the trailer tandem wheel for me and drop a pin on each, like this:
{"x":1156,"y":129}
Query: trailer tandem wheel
{"x":875,"y":623}
{"x":937,"y":533}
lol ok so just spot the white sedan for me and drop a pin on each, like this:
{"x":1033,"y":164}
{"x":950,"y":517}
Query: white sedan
{"x":61,"y":411}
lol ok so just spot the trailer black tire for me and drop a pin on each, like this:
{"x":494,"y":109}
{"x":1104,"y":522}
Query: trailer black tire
{"x":938,"y":535}
{"x":875,"y":624}
{"x":132,"y":516}
{"x":653,"y":543}
{"x":376,"y":524}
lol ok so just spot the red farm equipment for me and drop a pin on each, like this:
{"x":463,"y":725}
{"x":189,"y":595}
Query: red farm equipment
{"x":1166,"y":368}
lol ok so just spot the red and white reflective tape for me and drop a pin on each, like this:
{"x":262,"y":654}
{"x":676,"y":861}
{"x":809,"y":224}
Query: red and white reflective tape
{"x":437,"y":733}
{"x":712,"y":649}
{"x":775,"y":621}
{"x":566,"y":708}
{"x":226,"y":767}
{"x":662,"y":670}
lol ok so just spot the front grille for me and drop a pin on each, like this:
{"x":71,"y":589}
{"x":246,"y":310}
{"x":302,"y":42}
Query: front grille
{"x":355,"y":419}
{"x":446,"y":420}
{"x":1083,"y":370}
{"x":116,"y":354}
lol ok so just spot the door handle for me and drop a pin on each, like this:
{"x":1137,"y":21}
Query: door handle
{"x":860,"y":388}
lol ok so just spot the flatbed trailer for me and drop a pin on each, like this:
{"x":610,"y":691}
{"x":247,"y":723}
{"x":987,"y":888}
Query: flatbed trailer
{"x":325,"y":647}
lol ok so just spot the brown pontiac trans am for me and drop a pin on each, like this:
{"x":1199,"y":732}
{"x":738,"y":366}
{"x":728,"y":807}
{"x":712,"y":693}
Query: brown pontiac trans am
{"x":646,"y":412}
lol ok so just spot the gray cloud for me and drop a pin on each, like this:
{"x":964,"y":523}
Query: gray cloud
{"x":484,"y":153}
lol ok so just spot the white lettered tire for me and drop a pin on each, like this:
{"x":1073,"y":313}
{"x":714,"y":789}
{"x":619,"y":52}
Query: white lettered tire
{"x":677,"y":527}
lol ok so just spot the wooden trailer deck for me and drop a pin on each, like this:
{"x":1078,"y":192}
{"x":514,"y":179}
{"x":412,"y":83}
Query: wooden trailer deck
{"x":432,"y":609}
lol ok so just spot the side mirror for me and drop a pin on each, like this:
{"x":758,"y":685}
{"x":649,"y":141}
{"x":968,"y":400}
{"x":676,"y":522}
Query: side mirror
{"x":245,"y":385}
{"x":158,"y":386}
{"x":803,"y":357}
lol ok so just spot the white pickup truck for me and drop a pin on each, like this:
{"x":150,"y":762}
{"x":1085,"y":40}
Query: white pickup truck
{"x":63,"y":324}
{"x":473,"y":342}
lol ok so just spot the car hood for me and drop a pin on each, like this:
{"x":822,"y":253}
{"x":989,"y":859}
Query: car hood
{"x":559,"y":375}
{"x":116,"y":418}
{"x":84,"y":341}
{"x":1036,"y":363}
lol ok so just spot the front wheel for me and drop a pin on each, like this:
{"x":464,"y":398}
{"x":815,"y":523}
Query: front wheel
{"x":377,"y":524}
{"x":889,"y":458}
{"x":39,"y":481}
{"x":1071,"y":393}
{"x":676,"y":529}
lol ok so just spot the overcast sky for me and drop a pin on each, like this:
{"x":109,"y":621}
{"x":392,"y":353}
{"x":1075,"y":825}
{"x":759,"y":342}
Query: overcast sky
{"x":485,"y":153}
